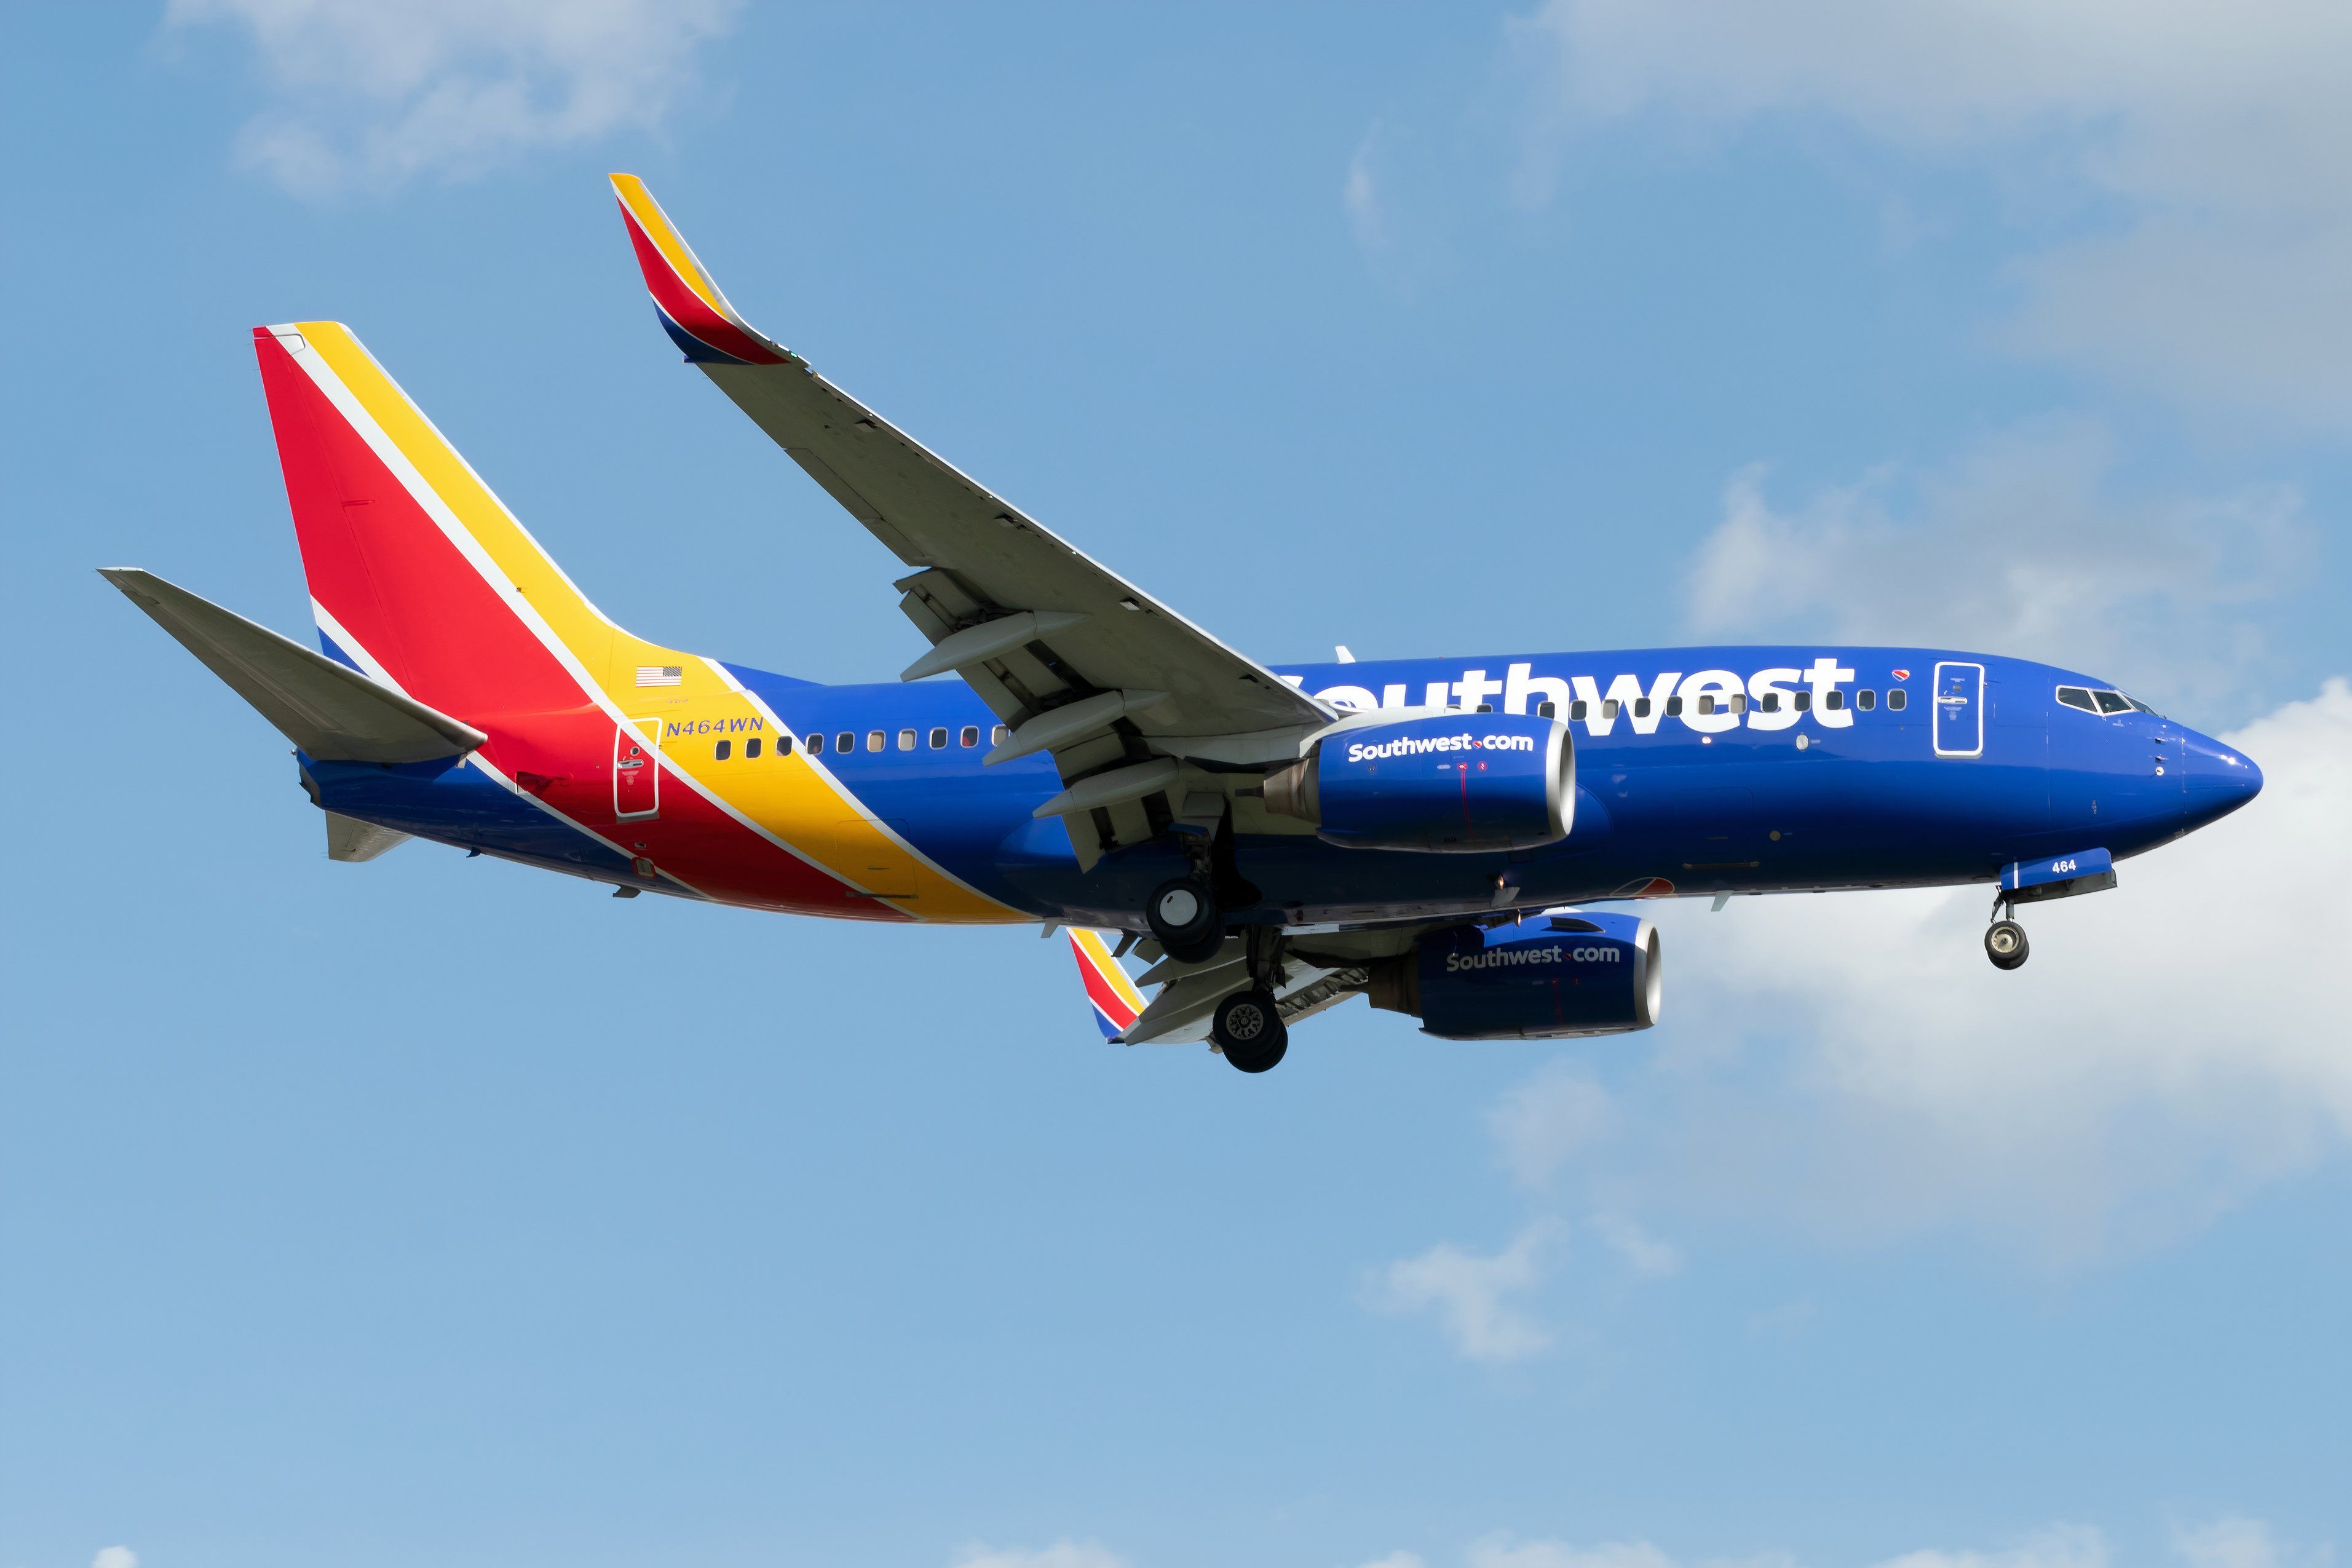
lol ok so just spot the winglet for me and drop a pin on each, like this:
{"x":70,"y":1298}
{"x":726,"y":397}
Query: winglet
{"x":1117,"y":1002}
{"x":693,"y":311}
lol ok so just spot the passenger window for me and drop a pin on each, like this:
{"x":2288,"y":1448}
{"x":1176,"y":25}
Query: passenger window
{"x":1641,"y":708}
{"x":969,"y":737}
{"x":905,"y":739}
{"x":2112,"y":702}
{"x":1866,"y":699}
{"x":1804,"y":701}
{"x":2077,"y":697}
{"x":1896,"y":698}
{"x":1674,"y":706}
{"x":875,"y":739}
{"x":845,"y":741}
{"x":816,"y":745}
{"x":1740,"y":702}
{"x":1547,"y":710}
{"x":1485,"y":707}
{"x":1610,"y":707}
{"x":938,"y":739}
{"x":999,"y":735}
{"x":1705,"y":704}
{"x":783,"y":745}
{"x":1576,"y":709}
{"x":751,"y":748}
{"x":1833,"y":699}
{"x":724,"y":747}
{"x":1772,"y":702}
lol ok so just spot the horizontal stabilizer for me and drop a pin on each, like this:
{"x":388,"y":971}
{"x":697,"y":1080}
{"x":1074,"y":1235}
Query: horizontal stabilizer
{"x":349,"y":839}
{"x":331,"y":712}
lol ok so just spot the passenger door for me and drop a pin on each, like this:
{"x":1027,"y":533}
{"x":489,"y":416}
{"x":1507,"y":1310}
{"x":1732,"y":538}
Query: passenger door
{"x":1960,"y":709}
{"x":636,"y":770}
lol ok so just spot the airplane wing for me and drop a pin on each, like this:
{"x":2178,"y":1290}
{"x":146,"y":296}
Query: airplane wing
{"x":1076,"y":660}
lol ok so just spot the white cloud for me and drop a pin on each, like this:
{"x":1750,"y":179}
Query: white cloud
{"x":1538,"y":1125}
{"x":1471,"y":1296}
{"x":1061,"y":1555}
{"x":2225,"y":1544}
{"x":1412,"y":1560}
{"x":2060,"y":1546}
{"x":1502,"y":1551}
{"x":2187,"y":162}
{"x":2170,"y":1045}
{"x":2228,"y":1543}
{"x":2023,"y":544}
{"x":370,"y":96}
{"x":1359,"y":194}
{"x":123,"y":1557}
{"x":1643,"y":1252}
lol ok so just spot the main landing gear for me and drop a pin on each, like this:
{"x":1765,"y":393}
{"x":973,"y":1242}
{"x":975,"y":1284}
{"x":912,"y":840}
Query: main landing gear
{"x":2005,"y":941}
{"x":1184,"y":919}
{"x":1248,"y":1029}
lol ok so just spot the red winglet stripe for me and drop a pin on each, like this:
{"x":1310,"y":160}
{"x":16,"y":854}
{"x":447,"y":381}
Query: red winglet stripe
{"x":693,"y":314}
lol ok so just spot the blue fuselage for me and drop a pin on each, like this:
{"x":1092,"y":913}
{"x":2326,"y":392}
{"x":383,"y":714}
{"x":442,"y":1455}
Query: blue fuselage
{"x":1705,"y":770}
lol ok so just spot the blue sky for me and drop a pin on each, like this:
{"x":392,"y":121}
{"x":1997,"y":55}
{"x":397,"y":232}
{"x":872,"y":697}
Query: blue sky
{"x":433,"y":1210}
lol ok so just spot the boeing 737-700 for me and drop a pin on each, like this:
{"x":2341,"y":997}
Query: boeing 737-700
{"x":1454,"y":837}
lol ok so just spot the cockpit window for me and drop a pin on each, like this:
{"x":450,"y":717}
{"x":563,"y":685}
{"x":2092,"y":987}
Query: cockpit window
{"x":2112,"y":702}
{"x":2142,"y":706}
{"x":2077,"y":697}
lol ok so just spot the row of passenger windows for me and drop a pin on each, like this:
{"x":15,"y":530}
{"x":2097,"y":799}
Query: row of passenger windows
{"x":2092,"y":700}
{"x":1832,"y":702}
{"x":1866,"y":699}
{"x":875,"y":740}
{"x":880,"y":739}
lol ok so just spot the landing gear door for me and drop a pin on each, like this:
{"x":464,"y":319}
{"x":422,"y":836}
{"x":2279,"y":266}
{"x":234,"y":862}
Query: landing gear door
{"x":636,"y":770}
{"x":1959,"y":711}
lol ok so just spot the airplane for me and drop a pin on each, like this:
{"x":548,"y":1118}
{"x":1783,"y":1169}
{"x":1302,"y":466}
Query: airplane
{"x":1456,"y":839}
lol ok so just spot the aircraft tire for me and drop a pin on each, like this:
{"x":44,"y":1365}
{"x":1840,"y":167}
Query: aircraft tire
{"x":1184,"y":919}
{"x":1249,"y":1029}
{"x":2006,"y":945}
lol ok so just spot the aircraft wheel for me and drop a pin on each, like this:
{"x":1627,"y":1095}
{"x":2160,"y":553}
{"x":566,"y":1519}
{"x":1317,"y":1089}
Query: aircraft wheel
{"x":1249,"y":1029}
{"x":2006,"y":945}
{"x":1183,"y":918}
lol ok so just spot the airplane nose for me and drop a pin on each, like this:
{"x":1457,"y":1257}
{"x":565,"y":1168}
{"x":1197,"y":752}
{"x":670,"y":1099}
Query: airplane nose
{"x":2219,"y":778}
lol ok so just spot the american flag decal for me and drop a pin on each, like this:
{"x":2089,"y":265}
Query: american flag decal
{"x":660,"y":674}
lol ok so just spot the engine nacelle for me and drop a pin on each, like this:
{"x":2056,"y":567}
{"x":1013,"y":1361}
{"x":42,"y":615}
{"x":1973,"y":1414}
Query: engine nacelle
{"x":1450,"y":782}
{"x":1552,"y":976}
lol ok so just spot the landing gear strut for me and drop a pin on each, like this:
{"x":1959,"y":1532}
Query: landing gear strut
{"x":1184,"y":919}
{"x":2004,"y":940}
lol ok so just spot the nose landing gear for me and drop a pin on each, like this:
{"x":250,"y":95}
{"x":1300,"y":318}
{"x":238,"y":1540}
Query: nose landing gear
{"x":2004,"y":940}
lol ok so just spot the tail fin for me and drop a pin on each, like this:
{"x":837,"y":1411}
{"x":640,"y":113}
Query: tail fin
{"x":418,"y":574}
{"x":1117,"y":1002}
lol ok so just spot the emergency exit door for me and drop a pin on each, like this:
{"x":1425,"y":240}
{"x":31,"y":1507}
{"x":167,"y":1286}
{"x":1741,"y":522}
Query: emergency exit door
{"x":1960,"y":709}
{"x":636,"y":770}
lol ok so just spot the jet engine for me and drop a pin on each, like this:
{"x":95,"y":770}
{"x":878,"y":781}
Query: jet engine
{"x":1451,"y":782}
{"x":1552,"y":976}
